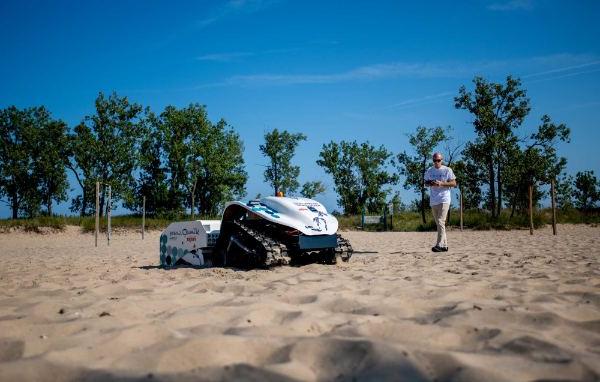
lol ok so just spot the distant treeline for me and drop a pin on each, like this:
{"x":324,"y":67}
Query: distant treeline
{"x":179,"y":160}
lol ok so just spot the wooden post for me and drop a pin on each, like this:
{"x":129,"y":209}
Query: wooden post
{"x":97,"y":213}
{"x":108,"y":208}
{"x":553,"y":195}
{"x":362,"y":219}
{"x":143,"y":217}
{"x":385,"y":218}
{"x":461,"y":209}
{"x":531,"y":209}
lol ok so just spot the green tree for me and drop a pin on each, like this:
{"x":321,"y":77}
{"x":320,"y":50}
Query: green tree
{"x":15,"y":162}
{"x":312,"y":189}
{"x":82,"y":162}
{"x":32,"y":157}
{"x":175,"y":133}
{"x":151,"y":181}
{"x":218,"y":172}
{"x":279,"y":148}
{"x":105,"y":146}
{"x":204,"y":160}
{"x":423,"y":141}
{"x":538,"y":162}
{"x":497,"y":109}
{"x":565,"y":192}
{"x":359,"y":174}
{"x":50,"y":158}
{"x":397,"y":204}
{"x":468,"y":178}
{"x":587,"y":190}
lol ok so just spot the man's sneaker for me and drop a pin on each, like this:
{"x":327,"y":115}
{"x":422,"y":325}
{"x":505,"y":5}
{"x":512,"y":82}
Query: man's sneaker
{"x":437,"y":249}
{"x":444,"y":249}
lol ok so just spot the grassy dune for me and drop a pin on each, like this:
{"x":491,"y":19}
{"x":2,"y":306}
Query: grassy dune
{"x":403,"y":222}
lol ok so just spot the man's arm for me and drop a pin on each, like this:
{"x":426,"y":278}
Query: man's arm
{"x":450,"y":183}
{"x":441,"y":183}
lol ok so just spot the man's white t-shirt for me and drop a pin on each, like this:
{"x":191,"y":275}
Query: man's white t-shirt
{"x":439,"y":195}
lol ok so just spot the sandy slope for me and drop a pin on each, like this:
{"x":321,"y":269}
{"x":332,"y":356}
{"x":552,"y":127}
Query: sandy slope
{"x":498,"y":306}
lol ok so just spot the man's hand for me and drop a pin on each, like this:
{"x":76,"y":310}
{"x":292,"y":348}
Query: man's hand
{"x":440,"y":183}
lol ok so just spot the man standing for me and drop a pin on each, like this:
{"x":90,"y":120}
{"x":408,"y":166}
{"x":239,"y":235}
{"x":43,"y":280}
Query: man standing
{"x":440,"y":179}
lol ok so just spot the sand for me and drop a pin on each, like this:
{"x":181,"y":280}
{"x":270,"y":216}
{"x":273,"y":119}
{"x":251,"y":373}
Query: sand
{"x":500,"y":306}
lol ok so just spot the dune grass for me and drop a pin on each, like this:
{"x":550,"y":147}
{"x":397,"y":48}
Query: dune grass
{"x":404,"y":222}
{"x":473,"y":219}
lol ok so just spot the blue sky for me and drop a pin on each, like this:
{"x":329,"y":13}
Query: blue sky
{"x":335,"y":70}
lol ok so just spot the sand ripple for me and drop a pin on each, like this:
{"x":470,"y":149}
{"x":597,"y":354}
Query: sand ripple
{"x":500,"y":306}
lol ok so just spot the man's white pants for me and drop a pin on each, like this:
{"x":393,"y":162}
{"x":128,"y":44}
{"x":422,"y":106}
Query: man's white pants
{"x":440,"y":211}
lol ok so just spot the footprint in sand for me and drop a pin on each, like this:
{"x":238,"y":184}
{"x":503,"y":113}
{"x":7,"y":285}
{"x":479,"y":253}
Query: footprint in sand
{"x":537,"y":350}
{"x":11,"y":350}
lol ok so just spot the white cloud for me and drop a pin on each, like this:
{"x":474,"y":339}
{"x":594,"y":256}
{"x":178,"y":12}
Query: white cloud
{"x":411,"y":102}
{"x":233,"y":7}
{"x":525,"y":67}
{"x":223,"y":57}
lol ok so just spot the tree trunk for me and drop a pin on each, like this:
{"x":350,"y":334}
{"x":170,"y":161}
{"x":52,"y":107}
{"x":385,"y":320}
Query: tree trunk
{"x":101,"y":202}
{"x":83,"y":203}
{"x":492,"y":182}
{"x":15,"y":206}
{"x":514,"y":201}
{"x":49,"y":206}
{"x":193,"y":198}
{"x":423,"y":205}
{"x":499,"y":206}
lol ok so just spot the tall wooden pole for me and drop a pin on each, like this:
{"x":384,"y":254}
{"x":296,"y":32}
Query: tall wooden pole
{"x":97,"y":213}
{"x":553,"y":192}
{"x":108,"y":208}
{"x":531,"y":209}
{"x":143,"y":217}
{"x":461,"y":209}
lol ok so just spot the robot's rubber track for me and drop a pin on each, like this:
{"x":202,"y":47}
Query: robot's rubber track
{"x":268,"y":251}
{"x":344,"y":249}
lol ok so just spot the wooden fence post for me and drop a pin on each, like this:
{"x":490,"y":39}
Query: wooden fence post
{"x":108,"y":208}
{"x":553,"y":192}
{"x":461,"y":209}
{"x":97,"y":213}
{"x":143,"y":217}
{"x":531,"y":209}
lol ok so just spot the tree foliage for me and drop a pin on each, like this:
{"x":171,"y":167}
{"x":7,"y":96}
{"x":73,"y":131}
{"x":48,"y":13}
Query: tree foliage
{"x":565,"y":192}
{"x":151,"y":181}
{"x":537,"y":162}
{"x":279,"y":148}
{"x":423,"y":141}
{"x":32,"y":160}
{"x":104,"y":147}
{"x":312,"y":189}
{"x":359,"y":174}
{"x":468,"y":178}
{"x":498,"y":109}
{"x":204,"y":160}
{"x":587,"y":190}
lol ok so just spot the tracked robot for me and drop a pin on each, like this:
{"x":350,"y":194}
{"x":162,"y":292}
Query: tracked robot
{"x":271,"y":231}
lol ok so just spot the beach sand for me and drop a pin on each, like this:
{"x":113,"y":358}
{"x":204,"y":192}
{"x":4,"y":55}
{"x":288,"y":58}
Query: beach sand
{"x":500,"y":305}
